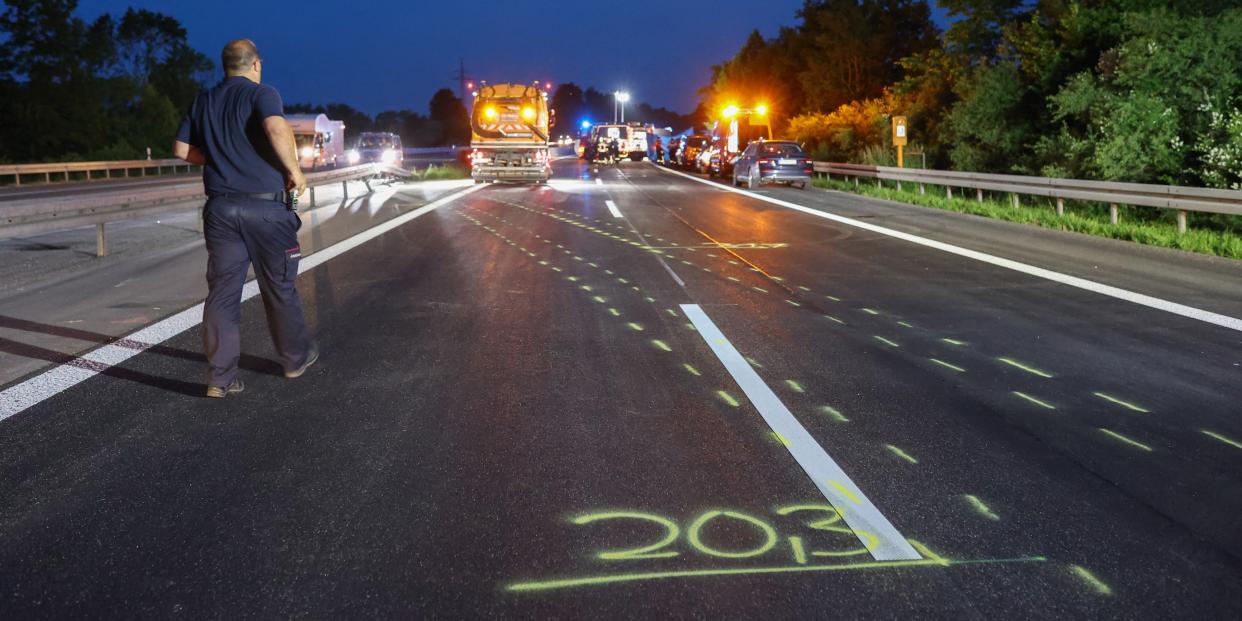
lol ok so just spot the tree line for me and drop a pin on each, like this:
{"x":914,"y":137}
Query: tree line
{"x":446,"y":123}
{"x":110,"y":88}
{"x":1130,"y":90}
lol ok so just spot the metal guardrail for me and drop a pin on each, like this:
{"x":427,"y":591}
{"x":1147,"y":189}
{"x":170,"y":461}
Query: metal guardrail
{"x":1115,"y":194}
{"x":101,"y":206}
{"x":61,"y":171}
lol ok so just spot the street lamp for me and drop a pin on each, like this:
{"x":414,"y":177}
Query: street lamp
{"x":619,"y":97}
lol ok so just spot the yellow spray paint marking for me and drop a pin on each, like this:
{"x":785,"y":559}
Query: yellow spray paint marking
{"x":760,"y":289}
{"x":733,"y":279}
{"x":635,"y":326}
{"x":901,"y":453}
{"x":777,"y":278}
{"x":593,"y":265}
{"x":573,"y":279}
{"x":904,"y":324}
{"x":885,"y":341}
{"x":1126,"y":405}
{"x":650,"y":299}
{"x":845,"y":492}
{"x":955,"y":342}
{"x":623,"y":281}
{"x":686,"y":262}
{"x":578,"y":258}
{"x":600,"y":300}
{"x":782,"y":439}
{"x":661,"y":345}
{"x":804,"y":288}
{"x":936,"y":558}
{"x":792,"y":303}
{"x":1029,"y":369}
{"x":834,"y":319}
{"x":870,"y":311}
{"x":691,"y":327}
{"x":614,"y":312}
{"x":981,"y":508}
{"x":609,"y":272}
{"x":707,"y":269}
{"x":752,"y":361}
{"x":584,"y":287}
{"x":947,"y":365}
{"x":1229,"y":441}
{"x":727,"y":398}
{"x":1095,"y":583}
{"x":693,"y":371}
{"x":1130,"y":441}
{"x":543,"y":263}
{"x":794,"y":386}
{"x":556,"y":269}
{"x":1030,"y":399}
{"x":834,"y":413}
{"x":834,"y":299}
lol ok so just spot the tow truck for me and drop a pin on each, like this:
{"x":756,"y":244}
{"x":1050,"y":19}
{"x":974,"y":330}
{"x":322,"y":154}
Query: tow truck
{"x":742,"y":126}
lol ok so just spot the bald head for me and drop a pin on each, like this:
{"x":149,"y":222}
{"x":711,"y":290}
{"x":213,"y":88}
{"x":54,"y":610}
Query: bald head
{"x":239,"y":56}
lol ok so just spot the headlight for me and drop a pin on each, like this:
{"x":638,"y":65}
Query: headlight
{"x":353,"y":157}
{"x":528,"y":113}
{"x":388,"y":156}
{"x":307,"y":152}
{"x":489,"y":112}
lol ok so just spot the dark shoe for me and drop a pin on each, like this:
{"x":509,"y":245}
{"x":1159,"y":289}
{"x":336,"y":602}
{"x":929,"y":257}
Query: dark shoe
{"x":310,"y":359}
{"x":219,"y":392}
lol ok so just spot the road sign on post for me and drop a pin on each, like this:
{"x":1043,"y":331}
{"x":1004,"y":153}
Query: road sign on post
{"x":899,"y":138}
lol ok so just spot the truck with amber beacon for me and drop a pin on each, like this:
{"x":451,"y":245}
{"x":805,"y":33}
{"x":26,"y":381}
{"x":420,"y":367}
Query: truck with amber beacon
{"x":509,"y":126}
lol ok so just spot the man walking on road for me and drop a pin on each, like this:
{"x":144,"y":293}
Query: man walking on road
{"x":237,"y":132}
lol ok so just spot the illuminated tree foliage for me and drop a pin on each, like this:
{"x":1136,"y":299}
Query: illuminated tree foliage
{"x":1136,"y":90}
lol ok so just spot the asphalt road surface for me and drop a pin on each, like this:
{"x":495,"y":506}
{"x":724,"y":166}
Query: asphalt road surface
{"x":633,"y":394}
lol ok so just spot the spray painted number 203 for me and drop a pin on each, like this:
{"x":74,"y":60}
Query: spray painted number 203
{"x":765,"y":537}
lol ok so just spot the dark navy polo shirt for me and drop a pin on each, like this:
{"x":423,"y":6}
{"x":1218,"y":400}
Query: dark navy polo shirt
{"x":225,"y":122}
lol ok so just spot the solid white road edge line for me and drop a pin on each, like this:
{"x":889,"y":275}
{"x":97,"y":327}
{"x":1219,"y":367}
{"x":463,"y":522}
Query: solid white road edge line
{"x":56,"y":380}
{"x":833,"y":483}
{"x":616,"y":213}
{"x":1190,"y":312}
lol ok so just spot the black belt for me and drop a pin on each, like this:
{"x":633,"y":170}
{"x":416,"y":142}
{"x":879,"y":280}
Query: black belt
{"x":279,"y":197}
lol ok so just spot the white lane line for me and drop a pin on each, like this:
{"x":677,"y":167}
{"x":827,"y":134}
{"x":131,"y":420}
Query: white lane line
{"x":833,"y":483}
{"x":1233,"y":323}
{"x":56,"y":380}
{"x":599,"y":181}
{"x":616,"y":213}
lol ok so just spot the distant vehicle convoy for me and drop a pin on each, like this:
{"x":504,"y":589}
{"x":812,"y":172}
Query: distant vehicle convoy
{"x":320,"y":140}
{"x":382,"y":147}
{"x":509,"y":127}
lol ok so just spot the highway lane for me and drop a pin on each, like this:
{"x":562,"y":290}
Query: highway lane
{"x":517,"y":415}
{"x":58,"y":300}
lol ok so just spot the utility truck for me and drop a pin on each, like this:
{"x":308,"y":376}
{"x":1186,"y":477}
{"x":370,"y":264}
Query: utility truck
{"x":509,"y":127}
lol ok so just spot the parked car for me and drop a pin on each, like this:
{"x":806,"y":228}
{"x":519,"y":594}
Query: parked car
{"x":772,"y":161}
{"x":691,"y":146}
{"x":708,"y":160}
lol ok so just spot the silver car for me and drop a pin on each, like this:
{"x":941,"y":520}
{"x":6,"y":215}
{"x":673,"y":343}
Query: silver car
{"x":774,"y":161}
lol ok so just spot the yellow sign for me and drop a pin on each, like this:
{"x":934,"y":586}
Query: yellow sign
{"x":899,"y":131}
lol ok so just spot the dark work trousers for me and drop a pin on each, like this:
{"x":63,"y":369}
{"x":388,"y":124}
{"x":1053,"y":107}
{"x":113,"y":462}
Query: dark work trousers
{"x":239,"y":232}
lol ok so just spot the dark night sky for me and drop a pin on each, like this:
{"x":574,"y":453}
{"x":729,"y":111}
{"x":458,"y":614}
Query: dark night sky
{"x":389,"y":54}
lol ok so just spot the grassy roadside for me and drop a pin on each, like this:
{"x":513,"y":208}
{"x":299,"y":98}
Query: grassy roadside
{"x":1209,"y":234}
{"x":446,"y":171}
